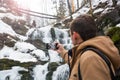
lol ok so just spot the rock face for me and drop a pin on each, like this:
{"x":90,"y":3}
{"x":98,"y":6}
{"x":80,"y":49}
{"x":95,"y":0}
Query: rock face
{"x":2,"y":38}
{"x":107,"y":20}
{"x":110,"y":18}
{"x":8,"y":40}
{"x":17,"y":25}
{"x":37,"y":43}
{"x":114,"y":34}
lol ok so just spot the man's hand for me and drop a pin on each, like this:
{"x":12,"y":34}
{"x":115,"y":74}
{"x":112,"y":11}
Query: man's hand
{"x":60,"y":49}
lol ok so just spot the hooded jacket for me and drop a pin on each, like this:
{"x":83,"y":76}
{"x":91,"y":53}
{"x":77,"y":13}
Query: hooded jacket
{"x":92,"y":66}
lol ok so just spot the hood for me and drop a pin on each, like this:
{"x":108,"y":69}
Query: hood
{"x":105,"y":44}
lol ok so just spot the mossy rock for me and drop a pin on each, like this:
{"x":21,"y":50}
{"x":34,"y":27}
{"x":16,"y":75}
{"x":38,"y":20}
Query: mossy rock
{"x":52,"y":66}
{"x":114,"y":34}
{"x":25,"y":75}
{"x":49,"y":75}
{"x":7,"y":39}
{"x":7,"y":64}
{"x":27,"y":64}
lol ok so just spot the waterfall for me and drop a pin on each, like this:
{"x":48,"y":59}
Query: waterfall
{"x":11,"y":74}
{"x":49,"y":34}
{"x":40,"y":72}
{"x":61,"y":73}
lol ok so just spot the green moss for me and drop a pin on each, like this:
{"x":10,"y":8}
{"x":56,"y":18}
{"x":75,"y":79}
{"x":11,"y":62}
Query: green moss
{"x":27,"y":64}
{"x":116,"y":37}
{"x":52,"y":66}
{"x":114,"y":34}
{"x":8,"y":64}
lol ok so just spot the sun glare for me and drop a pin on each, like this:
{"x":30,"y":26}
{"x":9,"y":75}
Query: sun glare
{"x":43,"y":6}
{"x":29,"y":4}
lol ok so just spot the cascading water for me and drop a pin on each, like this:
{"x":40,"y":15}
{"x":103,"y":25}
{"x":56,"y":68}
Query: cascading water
{"x":62,"y":73}
{"x":48,"y":35}
{"x":40,"y":72}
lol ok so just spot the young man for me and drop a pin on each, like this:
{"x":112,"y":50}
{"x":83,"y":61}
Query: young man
{"x":92,"y":67}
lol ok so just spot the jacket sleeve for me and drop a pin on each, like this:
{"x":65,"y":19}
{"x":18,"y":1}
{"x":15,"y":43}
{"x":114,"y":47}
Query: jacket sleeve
{"x":93,"y":67}
{"x":65,"y":56}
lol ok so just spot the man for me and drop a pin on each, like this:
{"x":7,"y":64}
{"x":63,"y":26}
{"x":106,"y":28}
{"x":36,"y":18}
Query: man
{"x":83,"y":32}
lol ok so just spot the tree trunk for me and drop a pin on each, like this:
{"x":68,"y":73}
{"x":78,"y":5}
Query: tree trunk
{"x":91,"y":11}
{"x":73,"y":6}
{"x":77,"y":4}
{"x":70,"y":10}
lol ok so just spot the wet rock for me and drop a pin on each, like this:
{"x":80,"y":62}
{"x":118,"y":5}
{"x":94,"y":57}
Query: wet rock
{"x":52,"y":66}
{"x":37,"y":43}
{"x":19,"y":27}
{"x":53,"y":35}
{"x":49,"y":75}
{"x":26,"y":75}
{"x":6,"y":39}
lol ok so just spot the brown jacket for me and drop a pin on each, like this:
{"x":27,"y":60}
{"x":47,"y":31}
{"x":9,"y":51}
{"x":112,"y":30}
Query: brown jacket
{"x":92,"y":66}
